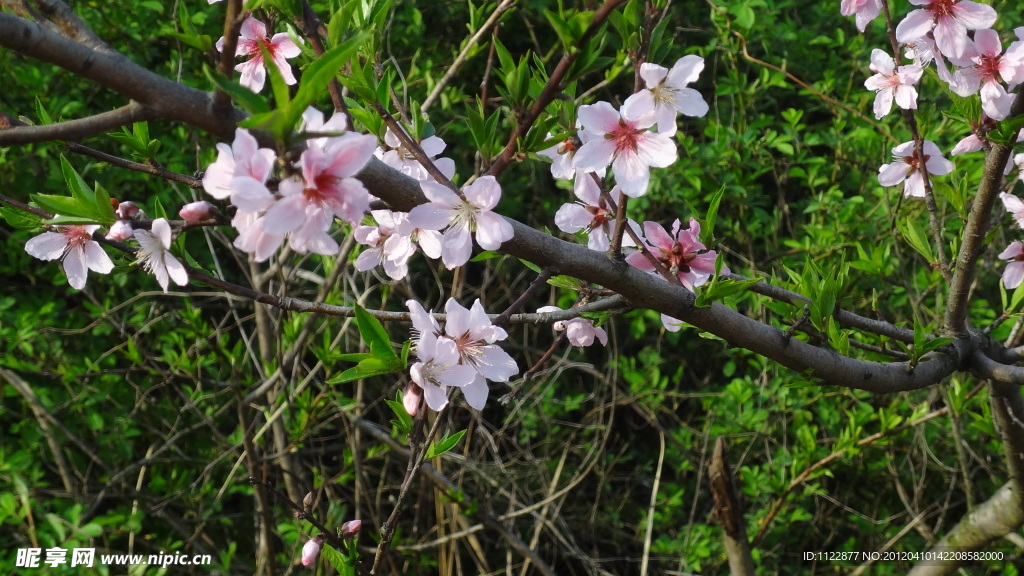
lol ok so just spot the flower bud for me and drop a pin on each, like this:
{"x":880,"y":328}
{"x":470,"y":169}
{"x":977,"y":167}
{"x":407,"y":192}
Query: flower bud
{"x":350,"y":529}
{"x":307,"y":502}
{"x":196,"y":211}
{"x":312,"y":549}
{"x":128,"y":210}
{"x":411,"y":398}
{"x":120,"y":230}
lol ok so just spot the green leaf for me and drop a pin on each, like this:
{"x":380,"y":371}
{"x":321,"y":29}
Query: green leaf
{"x":282,"y":97}
{"x":404,"y":422}
{"x":20,"y":220}
{"x":708,"y":229}
{"x":41,"y":114}
{"x":247,"y":99}
{"x":444,"y":445}
{"x":918,"y":239}
{"x":374,"y":334}
{"x":530,"y":265}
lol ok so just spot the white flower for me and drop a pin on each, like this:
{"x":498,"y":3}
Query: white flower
{"x":666,"y":92}
{"x":80,"y":252}
{"x":892,"y":83}
{"x":154,"y":253}
{"x":463,"y":217}
{"x":906,"y":167}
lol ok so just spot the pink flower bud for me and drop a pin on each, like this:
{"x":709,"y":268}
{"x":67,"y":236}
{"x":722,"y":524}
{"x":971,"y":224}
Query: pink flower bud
{"x":128,"y":210}
{"x":120,"y":230}
{"x":307,"y":502}
{"x":196,"y":211}
{"x":411,"y":398}
{"x":312,"y":549}
{"x":350,"y":529}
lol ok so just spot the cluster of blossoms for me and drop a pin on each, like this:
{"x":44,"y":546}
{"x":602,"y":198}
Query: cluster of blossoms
{"x":632,"y":141}
{"x":80,"y":253}
{"x":938,"y":32}
{"x":463,"y":355}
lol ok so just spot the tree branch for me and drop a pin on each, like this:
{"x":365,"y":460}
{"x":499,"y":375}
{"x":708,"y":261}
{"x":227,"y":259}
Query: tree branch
{"x":77,"y":129}
{"x":973,"y":243}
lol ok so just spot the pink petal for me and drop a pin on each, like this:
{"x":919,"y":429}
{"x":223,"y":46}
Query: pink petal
{"x":572,"y":218}
{"x":600,"y":118}
{"x":484,"y":193}
{"x":492,"y":230}
{"x":96,"y":259}
{"x":47,"y":246}
{"x":74,"y":268}
{"x":916,"y":25}
{"x":285,"y":215}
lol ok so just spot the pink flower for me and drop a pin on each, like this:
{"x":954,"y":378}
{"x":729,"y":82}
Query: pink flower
{"x":984,"y":66}
{"x":1015,"y":206}
{"x":561,"y":155}
{"x":387,"y":246}
{"x":401,"y":159}
{"x":307,"y":208}
{"x":154,"y":254}
{"x":196,"y":211}
{"x":948,"y":20}
{"x":906,"y":167}
{"x":463,"y":216}
{"x":1014,"y":272}
{"x":865,"y":10}
{"x":474,"y":335}
{"x":240,"y":173}
{"x":311,"y":550}
{"x":625,"y":142}
{"x":666,"y":92}
{"x":252,"y":35}
{"x":591,"y":213}
{"x":75,"y":245}
{"x":681,"y":253}
{"x":891,"y":83}
{"x":438,"y":369}
{"x":580,"y":331}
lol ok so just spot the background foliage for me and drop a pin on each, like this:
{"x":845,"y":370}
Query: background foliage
{"x":148,"y":391}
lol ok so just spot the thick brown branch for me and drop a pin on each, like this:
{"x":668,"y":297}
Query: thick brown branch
{"x":977,"y":227}
{"x":116,"y":72}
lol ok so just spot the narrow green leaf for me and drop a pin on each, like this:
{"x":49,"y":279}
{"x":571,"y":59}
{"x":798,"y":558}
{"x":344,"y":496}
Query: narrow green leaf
{"x":444,"y":445}
{"x":320,"y":73}
{"x":247,"y":99}
{"x":374,"y":334}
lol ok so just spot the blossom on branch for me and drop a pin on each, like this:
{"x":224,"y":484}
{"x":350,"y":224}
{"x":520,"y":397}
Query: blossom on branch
{"x":624,"y":141}
{"x":681,"y":253}
{"x":948,"y":21}
{"x":474,"y":336}
{"x":592,"y":213}
{"x":252,"y":35}
{"x":983,"y":65}
{"x":402,"y":159}
{"x":438,"y":369}
{"x":892,"y":83}
{"x":666,"y":92}
{"x":327,"y":189}
{"x":155,"y":255}
{"x":462,"y":217}
{"x":906,"y":166}
{"x":75,"y":245}
{"x":387,"y":245}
